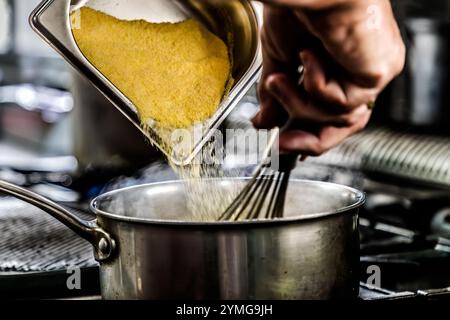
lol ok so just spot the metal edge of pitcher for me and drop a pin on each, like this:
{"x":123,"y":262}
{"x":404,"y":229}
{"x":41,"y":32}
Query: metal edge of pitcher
{"x":51,"y":21}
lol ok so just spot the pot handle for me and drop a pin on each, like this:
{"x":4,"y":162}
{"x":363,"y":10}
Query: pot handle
{"x":104,"y":244}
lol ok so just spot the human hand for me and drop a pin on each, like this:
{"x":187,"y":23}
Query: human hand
{"x":350,"y":51}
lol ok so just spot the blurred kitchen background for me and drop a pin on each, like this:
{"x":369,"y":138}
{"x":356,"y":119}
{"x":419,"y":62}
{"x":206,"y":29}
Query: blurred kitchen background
{"x":53,"y":124}
{"x":52,"y":121}
{"x":48,"y":112}
{"x":59,"y":137}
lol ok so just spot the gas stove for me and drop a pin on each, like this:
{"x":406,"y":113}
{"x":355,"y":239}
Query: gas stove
{"x":404,"y":232}
{"x":405,"y":223}
{"x":405,"y":238}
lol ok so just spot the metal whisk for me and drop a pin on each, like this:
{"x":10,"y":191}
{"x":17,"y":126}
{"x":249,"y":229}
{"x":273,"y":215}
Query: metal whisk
{"x":265,"y":194}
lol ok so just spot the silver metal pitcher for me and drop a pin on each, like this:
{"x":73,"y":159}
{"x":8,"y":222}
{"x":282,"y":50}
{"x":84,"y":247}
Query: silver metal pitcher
{"x":237,"y":22}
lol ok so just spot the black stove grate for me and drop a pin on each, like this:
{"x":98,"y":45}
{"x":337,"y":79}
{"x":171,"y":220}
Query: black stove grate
{"x":32,"y":241}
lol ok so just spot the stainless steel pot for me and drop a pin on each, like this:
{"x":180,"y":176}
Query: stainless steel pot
{"x":148,"y":248}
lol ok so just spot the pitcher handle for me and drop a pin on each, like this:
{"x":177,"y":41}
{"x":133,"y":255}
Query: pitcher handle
{"x":104,"y":244}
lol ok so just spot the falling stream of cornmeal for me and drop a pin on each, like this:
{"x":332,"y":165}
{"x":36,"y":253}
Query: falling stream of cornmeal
{"x":175,"y":74}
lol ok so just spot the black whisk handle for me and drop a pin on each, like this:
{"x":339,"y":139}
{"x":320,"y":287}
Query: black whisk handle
{"x":287,"y":162}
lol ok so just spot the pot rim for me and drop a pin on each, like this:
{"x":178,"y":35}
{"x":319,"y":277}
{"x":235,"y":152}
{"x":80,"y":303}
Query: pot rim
{"x":359,"y":195}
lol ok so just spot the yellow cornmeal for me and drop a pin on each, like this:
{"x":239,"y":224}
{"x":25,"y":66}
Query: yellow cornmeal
{"x":175,"y":74}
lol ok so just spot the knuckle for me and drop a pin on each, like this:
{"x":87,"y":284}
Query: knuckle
{"x":354,"y":116}
{"x":340,"y":102}
{"x":388,"y":69}
{"x":380,"y":76}
{"x":401,"y":60}
{"x":318,"y":149}
{"x":312,"y":86}
{"x":350,"y":119}
{"x":359,"y":126}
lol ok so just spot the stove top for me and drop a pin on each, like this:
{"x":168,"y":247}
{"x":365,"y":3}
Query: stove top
{"x":404,"y":231}
{"x":36,"y":252}
{"x":405,"y":237}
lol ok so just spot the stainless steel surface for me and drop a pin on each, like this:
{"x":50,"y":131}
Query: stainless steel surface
{"x":103,"y":243}
{"x":419,"y":97}
{"x":311,"y":253}
{"x":235,"y":21}
{"x":297,"y":257}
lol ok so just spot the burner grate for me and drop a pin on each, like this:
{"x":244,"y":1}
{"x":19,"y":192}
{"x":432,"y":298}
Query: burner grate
{"x":32,"y":241}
